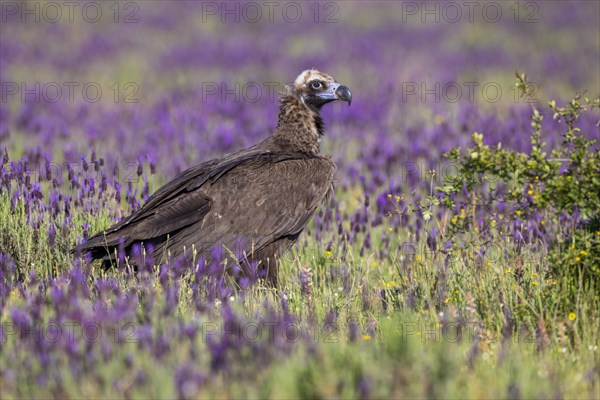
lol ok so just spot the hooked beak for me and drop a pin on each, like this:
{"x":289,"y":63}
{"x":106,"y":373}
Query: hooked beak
{"x":335,"y":91}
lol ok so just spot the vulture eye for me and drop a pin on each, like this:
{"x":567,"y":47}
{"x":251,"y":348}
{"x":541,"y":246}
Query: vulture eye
{"x":316,"y":85}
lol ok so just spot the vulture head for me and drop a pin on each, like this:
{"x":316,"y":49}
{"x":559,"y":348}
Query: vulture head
{"x":300,"y":125}
{"x":315,"y":88}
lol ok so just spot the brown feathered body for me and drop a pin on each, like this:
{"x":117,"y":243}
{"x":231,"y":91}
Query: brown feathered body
{"x":254,"y":203}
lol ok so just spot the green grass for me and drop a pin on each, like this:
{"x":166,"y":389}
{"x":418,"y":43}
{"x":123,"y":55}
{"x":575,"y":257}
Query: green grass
{"x":406,"y":346}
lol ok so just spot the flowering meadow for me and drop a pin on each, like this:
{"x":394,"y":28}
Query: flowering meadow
{"x":459,"y":257}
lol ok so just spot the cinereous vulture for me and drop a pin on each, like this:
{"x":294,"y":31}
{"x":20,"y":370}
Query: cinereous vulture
{"x":255,"y":202}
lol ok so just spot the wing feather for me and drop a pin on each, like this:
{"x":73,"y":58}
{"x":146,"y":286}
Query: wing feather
{"x":238,"y":187}
{"x":275,"y":201}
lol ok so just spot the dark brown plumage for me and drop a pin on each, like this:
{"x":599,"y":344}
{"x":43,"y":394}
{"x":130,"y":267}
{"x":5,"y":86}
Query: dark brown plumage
{"x":255,"y":202}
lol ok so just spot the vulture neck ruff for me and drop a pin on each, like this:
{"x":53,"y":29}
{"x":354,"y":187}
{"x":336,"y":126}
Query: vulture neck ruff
{"x":300,"y":126}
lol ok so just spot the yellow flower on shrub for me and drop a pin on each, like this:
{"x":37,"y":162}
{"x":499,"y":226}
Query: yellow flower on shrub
{"x":572,"y":316}
{"x":14,"y":295}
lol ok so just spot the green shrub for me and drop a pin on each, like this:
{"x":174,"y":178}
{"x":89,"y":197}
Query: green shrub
{"x":560,"y":189}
